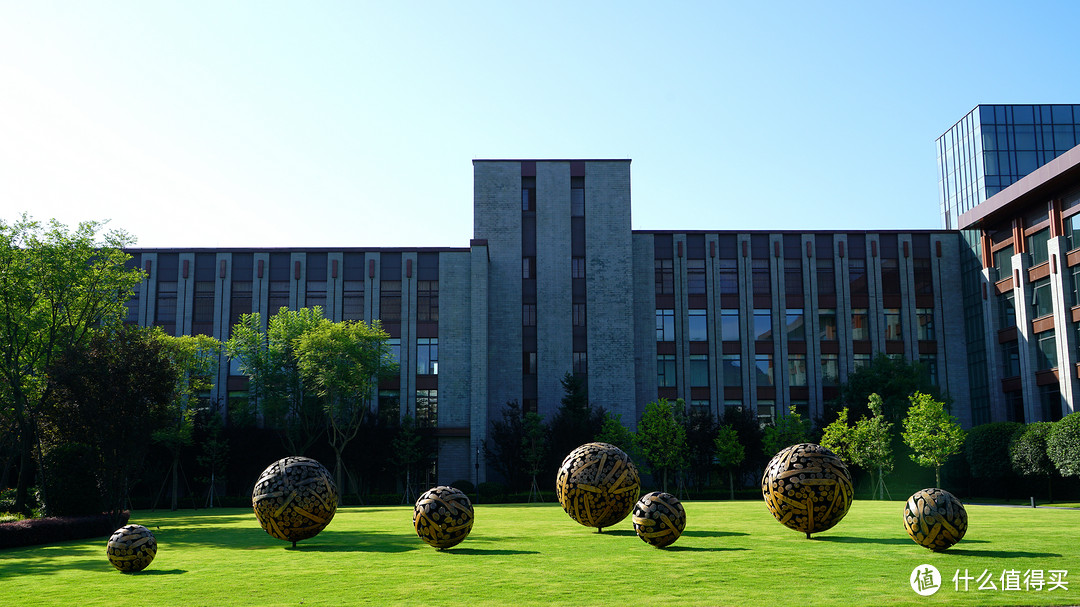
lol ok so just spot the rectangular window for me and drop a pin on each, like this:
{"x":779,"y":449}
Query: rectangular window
{"x":826,"y":277}
{"x":796,"y":330}
{"x":929,"y":362}
{"x":580,"y":361}
{"x":390,"y":300}
{"x":1006,"y":310}
{"x":352,"y":300}
{"x":860,"y":324}
{"x":698,"y":327}
{"x":827,"y":324}
{"x":278,"y":296}
{"x":577,"y":202}
{"x":857,"y":276}
{"x":1075,"y":285}
{"x":1010,"y":359}
{"x":1046,"y":351}
{"x":925,"y":318}
{"x":166,"y":304}
{"x":528,"y":267}
{"x":760,"y":277}
{"x":1042,"y":302}
{"x":427,"y":408}
{"x":577,"y":267}
{"x":1072,"y":232}
{"x":732,"y":370}
{"x":797,"y":369}
{"x":315,"y":294}
{"x":762,"y":325}
{"x":695,"y":276}
{"x":728,"y":278}
{"x":766,"y":412}
{"x":528,"y":193}
{"x":528,"y":363}
{"x":699,"y":370}
{"x":390,"y":406}
{"x":395,"y":348}
{"x":665,"y":277}
{"x":861,"y":360}
{"x":578,"y":312}
{"x":665,"y":370}
{"x":427,"y":301}
{"x":528,"y":315}
{"x":427,"y":356}
{"x":729,"y":325}
{"x":830,"y":370}
{"x":893,"y":324}
{"x":1037,"y":246}
{"x":1003,"y":262}
{"x":924,"y":277}
{"x":890,"y":276}
{"x":202,"y":313}
{"x":793,"y":277}
{"x":665,"y":325}
{"x":763,"y":367}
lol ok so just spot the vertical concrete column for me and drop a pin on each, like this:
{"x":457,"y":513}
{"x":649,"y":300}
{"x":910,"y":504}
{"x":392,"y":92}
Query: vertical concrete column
{"x":1023,"y":292}
{"x":554,"y":333}
{"x":1065,"y":337}
{"x":297,"y":283}
{"x":148,"y":303}
{"x":478,"y":329}
{"x":334,"y":285}
{"x":260,"y":286}
{"x":408,"y":330}
{"x":644,"y":292}
{"x":185,"y":293}
{"x":746,"y":321}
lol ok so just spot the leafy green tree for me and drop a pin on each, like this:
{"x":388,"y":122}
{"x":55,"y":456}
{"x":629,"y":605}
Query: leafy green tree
{"x":700,"y":443}
{"x":788,"y":430}
{"x":534,"y":442}
{"x":987,"y":450}
{"x":839,"y":437}
{"x":505,"y":450}
{"x":932,"y":433}
{"x":195,"y":358}
{"x":872,"y":446}
{"x":343,"y":362}
{"x":1028,"y":452}
{"x":729,"y":452}
{"x":894,"y":379}
{"x":662,"y":438}
{"x":56,"y":285}
{"x":1063,"y":445}
{"x":111,"y":393}
{"x":575,"y":423}
{"x":409,"y":449}
{"x":745,"y":422}
{"x":614,"y":432}
{"x":267,"y":356}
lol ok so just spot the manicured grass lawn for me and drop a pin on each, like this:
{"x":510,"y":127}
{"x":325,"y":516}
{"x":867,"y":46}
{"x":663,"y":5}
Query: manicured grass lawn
{"x":732,"y":553}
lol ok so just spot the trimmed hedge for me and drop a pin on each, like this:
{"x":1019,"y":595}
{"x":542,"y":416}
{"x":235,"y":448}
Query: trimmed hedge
{"x":53,"y":530}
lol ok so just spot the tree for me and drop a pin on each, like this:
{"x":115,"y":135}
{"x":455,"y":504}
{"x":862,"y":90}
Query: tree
{"x":700,"y":443}
{"x":343,"y":362}
{"x":410,"y":448}
{"x":839,"y":437}
{"x":1028,"y":453}
{"x":614,"y":432}
{"x":56,"y":285}
{"x":575,"y":423}
{"x":533,"y":447}
{"x":268,"y":358}
{"x":112,"y":393}
{"x":505,"y":449}
{"x":195,"y":358}
{"x":932,"y":433}
{"x":788,"y":430}
{"x":894,"y":379}
{"x":987,"y":450}
{"x":662,"y":438}
{"x":872,"y":446}
{"x":1063,"y":445}
{"x":729,"y":452}
{"x":745,"y":422}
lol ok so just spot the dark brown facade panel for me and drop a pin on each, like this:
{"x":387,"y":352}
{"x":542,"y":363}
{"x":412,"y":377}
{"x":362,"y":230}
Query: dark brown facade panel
{"x":1007,"y":335}
{"x":1046,"y":378}
{"x":1040,"y":325}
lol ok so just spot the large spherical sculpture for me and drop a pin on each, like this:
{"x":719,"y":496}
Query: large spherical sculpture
{"x":443,"y":517}
{"x":659,"y":519}
{"x":295,"y":498}
{"x":935,"y":519}
{"x":131,"y":548}
{"x":597,"y":485}
{"x":807,"y":488}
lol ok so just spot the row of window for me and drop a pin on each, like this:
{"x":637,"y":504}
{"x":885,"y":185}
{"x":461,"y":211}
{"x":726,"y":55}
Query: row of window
{"x":794,"y":324}
{"x":731,"y":370}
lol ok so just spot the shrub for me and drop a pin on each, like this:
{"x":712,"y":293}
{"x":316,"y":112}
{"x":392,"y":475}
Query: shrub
{"x":987,"y":449}
{"x":492,"y":491}
{"x":464,"y":486}
{"x":52,"y":530}
{"x":70,"y":489}
{"x":1063,"y":445}
{"x":1028,"y":450}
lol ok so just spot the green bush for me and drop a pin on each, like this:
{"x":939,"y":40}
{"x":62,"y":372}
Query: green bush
{"x":1063,"y":445}
{"x":70,"y":490}
{"x":464,"y":486}
{"x":987,"y":449}
{"x":492,"y":491}
{"x":1028,"y":450}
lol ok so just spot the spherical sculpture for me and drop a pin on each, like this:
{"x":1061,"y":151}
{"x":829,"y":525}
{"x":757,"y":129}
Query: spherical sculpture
{"x":807,"y":488}
{"x":443,"y":517}
{"x":597,"y":485}
{"x":935,"y":519}
{"x":659,"y":518}
{"x":295,"y":498}
{"x":131,"y":548}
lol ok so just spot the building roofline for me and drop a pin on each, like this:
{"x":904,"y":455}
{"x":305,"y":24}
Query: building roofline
{"x":551,"y":160}
{"x":297,"y":249}
{"x":891,"y":231}
{"x":1033,"y":186}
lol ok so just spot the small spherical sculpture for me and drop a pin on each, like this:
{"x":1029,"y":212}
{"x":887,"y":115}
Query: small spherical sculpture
{"x":935,"y":519}
{"x":295,"y":498}
{"x":131,"y":548}
{"x":807,"y":488}
{"x":443,"y":517}
{"x":659,"y":519}
{"x":597,"y":485}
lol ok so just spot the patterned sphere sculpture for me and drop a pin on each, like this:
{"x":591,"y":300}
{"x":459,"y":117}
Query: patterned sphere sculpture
{"x":443,"y":517}
{"x":597,"y":485}
{"x":807,"y":488}
{"x":131,"y":548}
{"x":935,"y":519}
{"x":295,"y":498}
{"x":659,"y":518}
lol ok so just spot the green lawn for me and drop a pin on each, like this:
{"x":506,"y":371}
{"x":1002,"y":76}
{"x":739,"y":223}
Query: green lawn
{"x":732,"y":553}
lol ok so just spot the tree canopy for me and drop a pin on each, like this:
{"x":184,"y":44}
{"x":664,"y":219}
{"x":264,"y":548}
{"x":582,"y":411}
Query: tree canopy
{"x":1063,"y":445}
{"x":661,"y":437}
{"x":893,"y":379}
{"x":932,"y":433}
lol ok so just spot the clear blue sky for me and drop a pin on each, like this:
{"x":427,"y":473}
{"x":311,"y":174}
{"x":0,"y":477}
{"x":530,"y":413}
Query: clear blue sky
{"x":346,"y":124}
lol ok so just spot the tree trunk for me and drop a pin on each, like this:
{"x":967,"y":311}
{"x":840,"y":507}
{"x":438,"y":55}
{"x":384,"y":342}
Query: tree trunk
{"x":338,"y":468}
{"x":175,"y":479}
{"x":665,"y":480}
{"x":26,"y":471}
{"x":731,"y":483}
{"x":937,"y":476}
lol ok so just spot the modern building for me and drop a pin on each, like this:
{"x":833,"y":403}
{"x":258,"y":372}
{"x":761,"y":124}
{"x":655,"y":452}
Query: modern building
{"x":555,"y":281}
{"x":993,"y":165}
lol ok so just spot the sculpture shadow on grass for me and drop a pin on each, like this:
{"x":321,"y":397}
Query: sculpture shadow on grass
{"x":1000,"y":554}
{"x":713,"y":533}
{"x":486,"y":552}
{"x":702,"y":549}
{"x":617,"y":532}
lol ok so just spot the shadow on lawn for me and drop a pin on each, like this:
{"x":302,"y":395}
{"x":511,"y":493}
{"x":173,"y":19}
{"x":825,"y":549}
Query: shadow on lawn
{"x":1001,"y":554}
{"x":700,"y":549}
{"x":483,"y":552}
{"x":713,"y":533}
